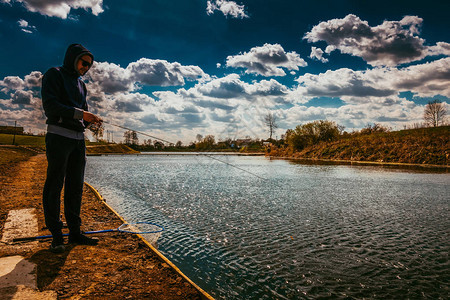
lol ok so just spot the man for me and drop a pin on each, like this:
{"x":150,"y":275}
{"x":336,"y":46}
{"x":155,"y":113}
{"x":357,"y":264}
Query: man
{"x":64,"y":101}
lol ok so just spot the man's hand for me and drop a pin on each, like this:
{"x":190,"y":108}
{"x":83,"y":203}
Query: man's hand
{"x":91,"y":118}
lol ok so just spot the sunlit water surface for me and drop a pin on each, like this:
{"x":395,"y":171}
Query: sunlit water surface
{"x":304,"y":231}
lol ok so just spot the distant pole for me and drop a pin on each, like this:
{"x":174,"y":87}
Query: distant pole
{"x":14,"y":136}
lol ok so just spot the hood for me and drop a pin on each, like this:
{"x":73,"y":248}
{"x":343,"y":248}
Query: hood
{"x":73,"y":53}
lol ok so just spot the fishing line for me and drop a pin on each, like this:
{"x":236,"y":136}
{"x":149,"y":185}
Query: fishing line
{"x":199,"y":153}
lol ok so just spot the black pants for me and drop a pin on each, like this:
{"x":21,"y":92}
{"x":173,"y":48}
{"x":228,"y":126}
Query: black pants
{"x":66,"y":163}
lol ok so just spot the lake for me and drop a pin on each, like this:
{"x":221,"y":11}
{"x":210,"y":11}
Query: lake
{"x":290,"y":230}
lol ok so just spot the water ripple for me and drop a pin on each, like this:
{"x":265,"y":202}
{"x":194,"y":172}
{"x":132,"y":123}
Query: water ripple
{"x":339,"y":232}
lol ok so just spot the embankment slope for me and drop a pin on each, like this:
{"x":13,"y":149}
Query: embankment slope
{"x":424,"y":146}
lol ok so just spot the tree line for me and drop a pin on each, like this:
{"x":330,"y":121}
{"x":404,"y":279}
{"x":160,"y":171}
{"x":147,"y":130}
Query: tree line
{"x":297,"y":139}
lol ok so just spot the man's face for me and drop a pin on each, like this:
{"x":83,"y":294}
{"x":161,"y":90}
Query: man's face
{"x":83,"y":64}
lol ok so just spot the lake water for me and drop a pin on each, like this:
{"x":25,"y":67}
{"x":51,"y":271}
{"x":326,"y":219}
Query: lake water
{"x":301,"y":231}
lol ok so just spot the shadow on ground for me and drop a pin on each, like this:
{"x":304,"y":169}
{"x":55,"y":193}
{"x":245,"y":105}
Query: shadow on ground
{"x":49,"y":265}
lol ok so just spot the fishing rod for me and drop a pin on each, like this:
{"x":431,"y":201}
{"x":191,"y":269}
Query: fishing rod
{"x":199,"y":153}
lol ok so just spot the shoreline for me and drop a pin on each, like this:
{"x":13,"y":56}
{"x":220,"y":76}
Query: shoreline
{"x":204,"y":295}
{"x":293,"y":158}
{"x":181,"y":153}
{"x":358,"y":162}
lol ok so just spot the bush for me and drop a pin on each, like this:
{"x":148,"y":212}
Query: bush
{"x":375,"y":128}
{"x":312,"y":133}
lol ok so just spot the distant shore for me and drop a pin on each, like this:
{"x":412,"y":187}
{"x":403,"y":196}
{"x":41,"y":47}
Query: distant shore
{"x":362,"y":163}
{"x":415,"y":147}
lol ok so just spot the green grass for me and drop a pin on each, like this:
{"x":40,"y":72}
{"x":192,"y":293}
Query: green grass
{"x":22,"y":140}
{"x":37,"y":143}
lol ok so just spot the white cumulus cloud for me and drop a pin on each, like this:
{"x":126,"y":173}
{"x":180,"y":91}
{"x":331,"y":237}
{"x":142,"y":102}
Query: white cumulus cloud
{"x":60,"y":8}
{"x":378,"y":84}
{"x":228,"y":8}
{"x":163,"y":73}
{"x":317,"y":53}
{"x":268,"y":60}
{"x":11,"y":83}
{"x":25,"y":27}
{"x":389,"y":44}
{"x":110,"y":78}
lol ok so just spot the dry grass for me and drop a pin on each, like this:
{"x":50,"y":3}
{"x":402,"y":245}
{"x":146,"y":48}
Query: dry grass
{"x":425,"y":146}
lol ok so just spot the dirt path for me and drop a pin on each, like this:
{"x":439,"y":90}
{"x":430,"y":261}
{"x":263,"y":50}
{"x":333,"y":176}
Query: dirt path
{"x":120,"y":267}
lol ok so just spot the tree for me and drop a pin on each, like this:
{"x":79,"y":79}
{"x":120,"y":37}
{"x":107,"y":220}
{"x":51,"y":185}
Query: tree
{"x":435,"y":113}
{"x":97,"y":130}
{"x":134,"y":138}
{"x":206,"y":143}
{"x":270,"y":120}
{"x":158,"y":145}
{"x":312,"y":133}
{"x":131,"y":137}
{"x":127,"y":136}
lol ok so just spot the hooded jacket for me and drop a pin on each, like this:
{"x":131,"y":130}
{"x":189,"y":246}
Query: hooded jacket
{"x":64,"y":93}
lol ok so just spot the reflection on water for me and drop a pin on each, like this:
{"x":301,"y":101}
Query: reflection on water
{"x":380,"y":166}
{"x":307,"y":231}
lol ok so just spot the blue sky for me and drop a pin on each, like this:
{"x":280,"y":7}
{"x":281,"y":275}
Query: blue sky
{"x":182,"y":68}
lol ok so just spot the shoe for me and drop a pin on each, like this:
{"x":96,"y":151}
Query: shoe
{"x":81,"y":239}
{"x":57,"y":245}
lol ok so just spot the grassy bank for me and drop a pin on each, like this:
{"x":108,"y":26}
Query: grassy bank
{"x":28,"y":140}
{"x":37,"y":143}
{"x":425,"y":146}
{"x":97,"y":149}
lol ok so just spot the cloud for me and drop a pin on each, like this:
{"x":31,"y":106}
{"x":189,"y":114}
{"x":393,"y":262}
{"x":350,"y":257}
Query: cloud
{"x":60,"y":8}
{"x":131,"y":102}
{"x":225,"y":88}
{"x":389,"y":44}
{"x":215,"y":103}
{"x":21,"y":101}
{"x":317,"y":53}
{"x":30,"y":119}
{"x":378,"y":84}
{"x":439,"y":49}
{"x":11,"y":83}
{"x":367,"y":96}
{"x":162,"y":73}
{"x":107,"y":80}
{"x":267,"y":60}
{"x":342,"y":82}
{"x":114,"y":92}
{"x":267,"y":88}
{"x":223,"y":118}
{"x":228,"y":8}
{"x":34,"y":79}
{"x":426,"y":80}
{"x":22,"y":97}
{"x":232,"y":87}
{"x":25,"y":27}
{"x":110,"y":78}
{"x":356,"y":115}
{"x":230,"y":106}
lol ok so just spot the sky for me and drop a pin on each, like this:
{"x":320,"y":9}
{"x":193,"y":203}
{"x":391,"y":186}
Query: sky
{"x":178,"y":68}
